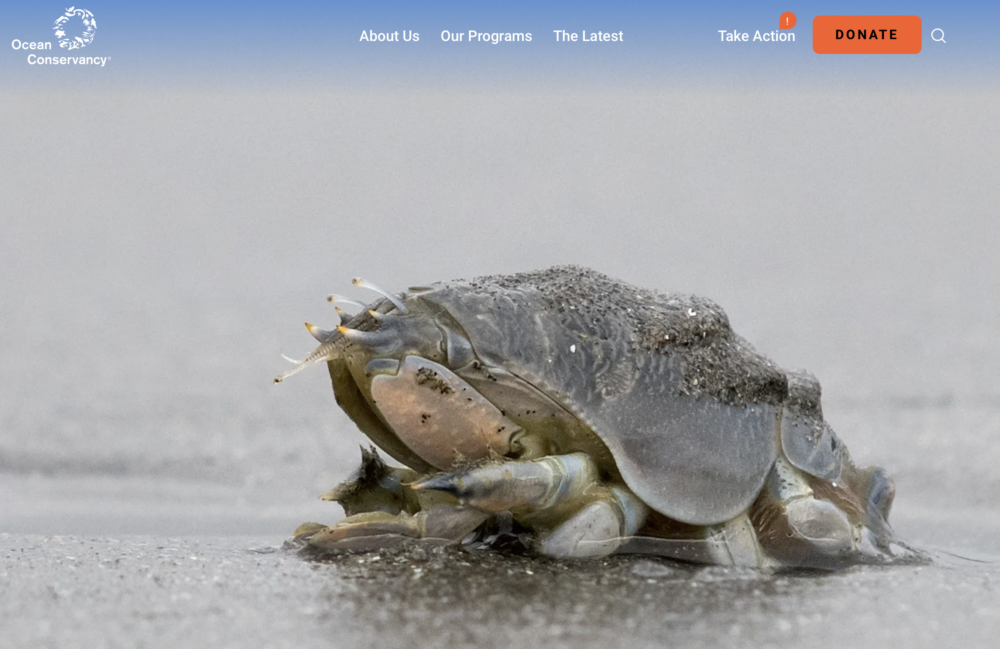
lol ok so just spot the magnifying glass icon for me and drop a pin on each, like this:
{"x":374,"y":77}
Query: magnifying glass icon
{"x":940,"y":38}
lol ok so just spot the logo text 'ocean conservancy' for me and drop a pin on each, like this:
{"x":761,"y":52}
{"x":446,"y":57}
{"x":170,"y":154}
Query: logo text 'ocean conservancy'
{"x":73,"y":30}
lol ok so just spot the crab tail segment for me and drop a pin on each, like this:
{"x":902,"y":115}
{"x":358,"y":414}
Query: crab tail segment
{"x":324,"y":352}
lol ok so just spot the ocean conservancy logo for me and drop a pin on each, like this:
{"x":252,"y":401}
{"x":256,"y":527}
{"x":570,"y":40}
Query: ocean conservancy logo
{"x":73,"y":30}
{"x":70,"y":36}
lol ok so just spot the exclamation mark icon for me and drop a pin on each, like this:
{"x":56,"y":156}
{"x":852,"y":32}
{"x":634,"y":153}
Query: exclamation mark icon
{"x":787,"y":20}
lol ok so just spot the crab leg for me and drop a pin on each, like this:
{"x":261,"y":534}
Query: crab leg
{"x":732,"y":543}
{"x":382,"y":511}
{"x":599,"y":528}
{"x":539,"y":484}
{"x":801,"y":529}
{"x":441,"y":525}
{"x":600,"y":517}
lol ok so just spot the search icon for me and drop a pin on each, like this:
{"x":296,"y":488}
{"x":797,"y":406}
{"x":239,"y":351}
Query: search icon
{"x":938,"y":39}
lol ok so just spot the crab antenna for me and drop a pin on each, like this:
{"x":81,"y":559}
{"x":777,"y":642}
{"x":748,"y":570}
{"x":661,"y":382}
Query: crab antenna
{"x":340,"y":299}
{"x":360,"y":283}
{"x":324,"y":352}
{"x":366,"y":338}
{"x":320,"y":334}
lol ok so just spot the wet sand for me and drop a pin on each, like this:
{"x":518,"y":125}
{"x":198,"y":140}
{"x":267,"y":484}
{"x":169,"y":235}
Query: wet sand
{"x":79,"y":591}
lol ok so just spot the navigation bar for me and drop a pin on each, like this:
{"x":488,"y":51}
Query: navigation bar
{"x":831,"y":35}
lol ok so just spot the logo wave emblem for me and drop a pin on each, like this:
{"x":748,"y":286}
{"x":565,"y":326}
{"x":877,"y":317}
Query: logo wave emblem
{"x":82,"y":33}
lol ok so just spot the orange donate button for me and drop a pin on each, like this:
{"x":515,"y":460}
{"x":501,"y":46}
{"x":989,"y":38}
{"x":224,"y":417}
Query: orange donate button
{"x":867,"y":34}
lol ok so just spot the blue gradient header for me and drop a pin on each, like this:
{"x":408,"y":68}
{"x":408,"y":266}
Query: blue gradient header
{"x":440,"y":43}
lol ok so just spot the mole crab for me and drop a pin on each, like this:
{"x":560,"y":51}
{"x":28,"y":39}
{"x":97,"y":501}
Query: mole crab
{"x":599,"y":416}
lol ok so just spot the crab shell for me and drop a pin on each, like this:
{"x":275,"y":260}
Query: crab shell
{"x":655,"y":387}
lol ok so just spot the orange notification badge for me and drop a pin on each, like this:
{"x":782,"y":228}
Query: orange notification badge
{"x":787,"y":20}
